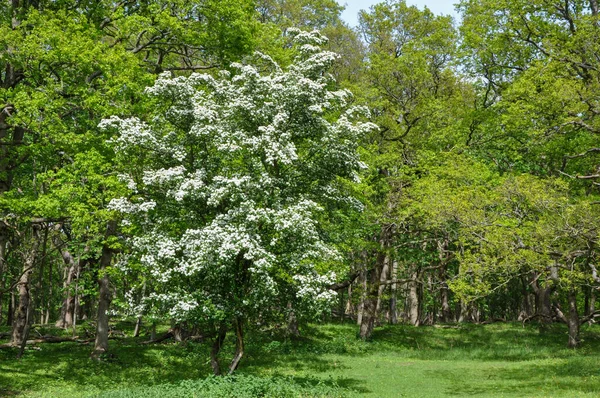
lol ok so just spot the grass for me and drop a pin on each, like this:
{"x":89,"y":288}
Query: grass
{"x":500,"y":360}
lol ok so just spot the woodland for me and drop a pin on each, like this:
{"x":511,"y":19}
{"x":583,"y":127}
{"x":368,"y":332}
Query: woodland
{"x":252,"y":198}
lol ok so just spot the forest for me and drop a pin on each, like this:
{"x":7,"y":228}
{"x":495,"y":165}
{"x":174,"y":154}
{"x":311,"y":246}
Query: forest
{"x":251,"y":198}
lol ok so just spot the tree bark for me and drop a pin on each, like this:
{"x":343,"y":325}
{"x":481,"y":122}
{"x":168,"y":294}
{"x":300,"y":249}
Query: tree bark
{"x":383,"y":277}
{"x":292,"y":326}
{"x":138,"y":326}
{"x":349,"y":309}
{"x":594,"y":7}
{"x":22,"y":317}
{"x":592,"y":308}
{"x":3,"y":267}
{"x":363,"y":297}
{"x":153,"y":331}
{"x":573,"y":320}
{"x":371,"y":301}
{"x":444,"y":290}
{"x":394,"y":295}
{"x":239,"y":345}
{"x":216,"y":347}
{"x":525,"y":311}
{"x":104,"y":297}
{"x":543,"y":302}
{"x":50,"y":293}
{"x":413,"y":299}
{"x":67,"y":311}
{"x":462,"y":309}
{"x":370,"y":305}
{"x":10,"y":316}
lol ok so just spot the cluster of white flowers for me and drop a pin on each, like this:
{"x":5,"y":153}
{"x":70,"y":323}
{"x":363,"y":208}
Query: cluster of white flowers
{"x":124,"y":206}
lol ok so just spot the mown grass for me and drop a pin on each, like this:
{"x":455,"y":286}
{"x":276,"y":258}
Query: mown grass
{"x":500,"y":360}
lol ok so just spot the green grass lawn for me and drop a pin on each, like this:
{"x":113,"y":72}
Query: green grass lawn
{"x":500,"y":360}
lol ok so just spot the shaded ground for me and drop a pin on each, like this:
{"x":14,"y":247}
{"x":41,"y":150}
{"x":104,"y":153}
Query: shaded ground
{"x":500,"y":360}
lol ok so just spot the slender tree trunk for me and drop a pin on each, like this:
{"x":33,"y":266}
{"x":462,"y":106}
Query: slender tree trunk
{"x":292,"y":326}
{"x":72,"y":269}
{"x":543,"y":304}
{"x":394,"y":295}
{"x":370,"y":305}
{"x":216,"y":347}
{"x":413,"y":299}
{"x":463,"y":311}
{"x":49,"y":301}
{"x":349,"y":309}
{"x":525,"y":311}
{"x":153,"y":331}
{"x":383,"y":277}
{"x":239,"y":345}
{"x":363,"y":296}
{"x":594,"y":7}
{"x":10,"y":316}
{"x":3,"y":267}
{"x":573,"y":320}
{"x":67,"y":310}
{"x":23,"y":342}
{"x":138,"y":323}
{"x":592,"y":304}
{"x":23,"y":286}
{"x":40,"y":288}
{"x":104,"y":297}
{"x":371,"y":301}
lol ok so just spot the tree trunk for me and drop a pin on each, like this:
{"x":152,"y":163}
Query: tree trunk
{"x":104,"y":297}
{"x":363,"y":297}
{"x":592,"y":304}
{"x":10,"y":316}
{"x":370,"y":305}
{"x":25,"y":332}
{"x":72,"y":271}
{"x":573,"y":320}
{"x":216,"y":347}
{"x":138,"y":326}
{"x":239,"y":345}
{"x":292,"y":326}
{"x":67,"y":311}
{"x":413,"y":299}
{"x":3,"y":267}
{"x":153,"y":331}
{"x":394,"y":295}
{"x":445,"y":303}
{"x":22,"y":317}
{"x":40,"y":288}
{"x":543,"y":304}
{"x":372,"y":297}
{"x":349,"y":309}
{"x":49,"y":302}
{"x":594,"y":7}
{"x":525,"y":311}
{"x":383,"y":277}
{"x":462,"y":310}
{"x":444,"y":257}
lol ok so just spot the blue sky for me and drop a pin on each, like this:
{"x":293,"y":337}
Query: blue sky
{"x":350,"y":14}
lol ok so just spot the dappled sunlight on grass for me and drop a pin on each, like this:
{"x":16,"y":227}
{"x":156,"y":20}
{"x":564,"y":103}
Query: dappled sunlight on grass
{"x":506,"y":360}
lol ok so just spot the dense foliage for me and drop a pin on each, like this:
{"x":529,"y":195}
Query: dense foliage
{"x":237,"y":166}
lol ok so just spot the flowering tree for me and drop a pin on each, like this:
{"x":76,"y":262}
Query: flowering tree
{"x":229,"y":182}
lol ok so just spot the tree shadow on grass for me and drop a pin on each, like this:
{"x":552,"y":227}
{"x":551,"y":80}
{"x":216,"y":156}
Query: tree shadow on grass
{"x":70,"y":363}
{"x":135,"y":365}
{"x":506,"y":342}
{"x":566,"y":378}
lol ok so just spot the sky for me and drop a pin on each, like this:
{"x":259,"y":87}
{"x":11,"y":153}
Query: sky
{"x":350,"y":14}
